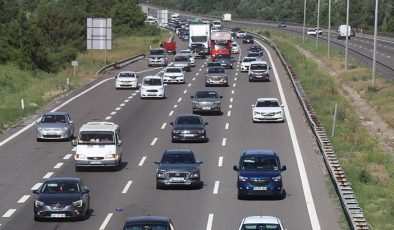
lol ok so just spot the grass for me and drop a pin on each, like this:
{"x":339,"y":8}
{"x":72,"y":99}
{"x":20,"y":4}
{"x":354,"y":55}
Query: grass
{"x":37,"y":88}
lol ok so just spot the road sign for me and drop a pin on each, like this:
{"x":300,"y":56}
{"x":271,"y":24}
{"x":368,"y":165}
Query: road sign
{"x":99,"y":33}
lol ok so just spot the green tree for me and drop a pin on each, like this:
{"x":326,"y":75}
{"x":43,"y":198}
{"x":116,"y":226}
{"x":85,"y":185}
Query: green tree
{"x":126,"y":15}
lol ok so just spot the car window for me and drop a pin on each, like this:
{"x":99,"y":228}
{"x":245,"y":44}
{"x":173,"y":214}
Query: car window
{"x":126,"y":75}
{"x":181,"y":158}
{"x":253,"y":55}
{"x":156,"y":52}
{"x":261,"y":227}
{"x":267,"y":104}
{"x":206,"y":94}
{"x":188,"y":121}
{"x":173,"y":70}
{"x":96,"y":137}
{"x":248,"y":59}
{"x":152,"y":81}
{"x":60,"y":187}
{"x":210,"y":64}
{"x":54,"y":119}
{"x":181,"y":58}
{"x":216,"y":70}
{"x":259,"y":163}
{"x":147,"y":227}
{"x":258,"y":66}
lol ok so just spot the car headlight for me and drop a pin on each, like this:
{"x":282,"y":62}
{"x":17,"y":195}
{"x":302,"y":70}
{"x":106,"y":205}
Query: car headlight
{"x":160,"y":174}
{"x":242,"y":178}
{"x":201,"y":131}
{"x":39,"y":128}
{"x":80,"y":156}
{"x":110,"y":156}
{"x":256,"y":113}
{"x":38,"y":203}
{"x":176,"y":131}
{"x":217,"y":102}
{"x":277,"y":178}
{"x":195,"y":175}
{"x":78,"y":203}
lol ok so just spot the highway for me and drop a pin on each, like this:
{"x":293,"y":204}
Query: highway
{"x":310,"y":202}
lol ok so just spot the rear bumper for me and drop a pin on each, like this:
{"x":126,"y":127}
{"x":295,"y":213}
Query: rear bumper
{"x":97,"y":163}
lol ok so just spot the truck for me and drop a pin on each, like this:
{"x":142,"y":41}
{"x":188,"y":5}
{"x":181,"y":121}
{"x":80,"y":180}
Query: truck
{"x":200,"y":34}
{"x":220,"y":43}
{"x":162,"y":18}
{"x":342,"y":32}
{"x":226,"y":17}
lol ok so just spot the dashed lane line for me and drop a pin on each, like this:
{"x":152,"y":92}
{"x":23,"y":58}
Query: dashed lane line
{"x":220,"y":161}
{"x":58,"y":165}
{"x":112,"y":113}
{"x":171,"y":112}
{"x":194,"y":78}
{"x":141,"y":163}
{"x":230,"y":106}
{"x":180,"y":99}
{"x":48,"y":175}
{"x":216,"y":187}
{"x":106,"y":221}
{"x":163,"y":126}
{"x":9,"y":213}
{"x":153,"y":141}
{"x":118,"y":108}
{"x":127,"y":186}
{"x":229,"y":113}
{"x":67,"y":156}
{"x":226,"y":126}
{"x":196,"y":75}
{"x":190,"y":84}
{"x":184,"y":92}
{"x":175,"y":106}
{"x":224,"y":141}
{"x":127,"y":100}
{"x":108,"y":117}
{"x":234,"y":84}
{"x":231,"y":99}
{"x":23,"y":199}
{"x":209,"y":222}
{"x":36,"y":186}
{"x":232,"y":91}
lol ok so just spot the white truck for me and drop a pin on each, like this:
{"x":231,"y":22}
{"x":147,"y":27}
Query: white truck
{"x":162,"y":18}
{"x":200,"y":34}
{"x":342,"y":32}
{"x":226,"y":17}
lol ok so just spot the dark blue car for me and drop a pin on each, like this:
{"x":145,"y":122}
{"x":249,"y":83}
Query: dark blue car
{"x":260,"y":174}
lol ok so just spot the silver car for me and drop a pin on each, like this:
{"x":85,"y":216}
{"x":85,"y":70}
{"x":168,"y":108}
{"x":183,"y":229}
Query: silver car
{"x":55,"y":125}
{"x":182,"y":61}
{"x":206,"y":101}
{"x":216,"y":76}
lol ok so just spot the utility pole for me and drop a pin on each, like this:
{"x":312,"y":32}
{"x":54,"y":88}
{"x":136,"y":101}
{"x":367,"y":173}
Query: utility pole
{"x":329,"y":28}
{"x":303,"y":27}
{"x":318,"y":17}
{"x":375,"y":33}
{"x":347,"y":32}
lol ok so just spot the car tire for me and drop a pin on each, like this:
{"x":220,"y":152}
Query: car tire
{"x":240,"y":197}
{"x":206,"y":85}
{"x":36,"y":218}
{"x":39,"y":139}
{"x":159,"y":186}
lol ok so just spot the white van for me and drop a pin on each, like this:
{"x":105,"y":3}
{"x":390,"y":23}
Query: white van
{"x":98,"y":145}
{"x":152,"y":86}
{"x":342,"y":32}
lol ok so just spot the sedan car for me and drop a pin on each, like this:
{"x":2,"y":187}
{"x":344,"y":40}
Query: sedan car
{"x":55,"y":125}
{"x":260,"y":222}
{"x":189,"y":127}
{"x":267,"y":109}
{"x":256,"y":49}
{"x":178,"y":167}
{"x":174,"y":75}
{"x":206,"y":101}
{"x":62,"y":197}
{"x":226,"y":60}
{"x":126,"y":79}
{"x":245,"y":64}
{"x":234,"y":48}
{"x":183,"y":61}
{"x":248,"y":39}
{"x":257,"y":55}
{"x":191,"y":56}
{"x":259,"y":71}
{"x":148,"y":223}
{"x":259,"y":174}
{"x":216,"y":76}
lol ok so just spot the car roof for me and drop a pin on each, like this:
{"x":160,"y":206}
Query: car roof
{"x":267,"y":99}
{"x":258,"y":62}
{"x":260,"y":220}
{"x":55,"y":113}
{"x":152,"y":76}
{"x":182,"y":54}
{"x":126,"y":72}
{"x":99,"y":126}
{"x":213,"y":91}
{"x":147,"y":220}
{"x":259,"y":152}
{"x":63,"y":179}
{"x":188,"y":115}
{"x":176,"y":151}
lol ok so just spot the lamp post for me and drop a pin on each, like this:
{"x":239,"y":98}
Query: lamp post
{"x":347,"y":32}
{"x":303,"y":27}
{"x":329,"y":28}
{"x":317,"y":26}
{"x":374,"y":44}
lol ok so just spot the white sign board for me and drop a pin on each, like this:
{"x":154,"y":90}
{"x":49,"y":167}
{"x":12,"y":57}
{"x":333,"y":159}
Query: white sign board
{"x":74,"y":63}
{"x":99,"y":33}
{"x":162,"y":17}
{"x":145,"y":9}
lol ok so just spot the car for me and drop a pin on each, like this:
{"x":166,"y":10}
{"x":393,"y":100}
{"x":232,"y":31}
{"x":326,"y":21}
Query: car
{"x":173,"y":75}
{"x":191,"y":56}
{"x":152,"y":86}
{"x":259,"y":71}
{"x":226,"y":60}
{"x":148,"y":223}
{"x":234,"y":48}
{"x":313,"y":31}
{"x":189,"y":127}
{"x":62,"y":198}
{"x":183,"y":61}
{"x":261,"y":222}
{"x":234,"y":31}
{"x":178,"y":167}
{"x":216,"y":76}
{"x":245,"y":64}
{"x":267,"y":109}
{"x":54,"y":126}
{"x":257,"y":55}
{"x":198,"y":50}
{"x":207,"y":102}
{"x":248,"y":39}
{"x":240,"y":34}
{"x":126,"y":79}
{"x":259,"y":174}
{"x":157,"y":56}
{"x":282,"y":25}
{"x":256,"y":49}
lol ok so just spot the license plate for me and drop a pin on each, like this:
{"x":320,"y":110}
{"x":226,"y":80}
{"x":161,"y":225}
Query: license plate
{"x":58,"y":215}
{"x":177,"y":179}
{"x":96,"y":163}
{"x":151,"y":94}
{"x":206,"y":108}
{"x":188,"y":135}
{"x":260,"y":188}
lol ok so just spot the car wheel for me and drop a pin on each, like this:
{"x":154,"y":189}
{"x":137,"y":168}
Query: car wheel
{"x":39,"y":139}
{"x":206,"y":85}
{"x":159,"y":186}
{"x":240,"y":197}
{"x":36,"y":218}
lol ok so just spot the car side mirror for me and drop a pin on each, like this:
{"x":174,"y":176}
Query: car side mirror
{"x":86,"y":191}
{"x":199,"y":162}
{"x":172,"y":123}
{"x":74,"y":142}
{"x":270,"y":68}
{"x":71,"y":122}
{"x":38,"y":122}
{"x":35,"y":191}
{"x":206,"y":123}
{"x":221,"y":96}
{"x":119,"y":143}
{"x":191,"y":97}
{"x":283,"y":168}
{"x":252,"y":106}
{"x":235,"y":168}
{"x":282,"y":105}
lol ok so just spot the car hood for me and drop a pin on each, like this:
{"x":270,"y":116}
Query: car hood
{"x":146,"y":87}
{"x":178,"y":167}
{"x":216,"y":75}
{"x":188,"y":127}
{"x":156,"y":56}
{"x":173,"y":74}
{"x":260,"y":173}
{"x":126,"y":79}
{"x":52,"y":125}
{"x":96,"y":149}
{"x":59,"y":198}
{"x":206,"y":99}
{"x":267,"y":109}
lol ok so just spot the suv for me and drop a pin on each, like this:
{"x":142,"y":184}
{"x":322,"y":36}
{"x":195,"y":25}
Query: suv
{"x":261,"y":222}
{"x":259,"y":71}
{"x":98,"y":145}
{"x":189,"y":127}
{"x":126,"y":79}
{"x":152,"y":86}
{"x":183,"y":61}
{"x":206,"y":101}
{"x":157,"y":56}
{"x":148,"y":222}
{"x":178,"y":167}
{"x":259,"y":173}
{"x":216,"y":76}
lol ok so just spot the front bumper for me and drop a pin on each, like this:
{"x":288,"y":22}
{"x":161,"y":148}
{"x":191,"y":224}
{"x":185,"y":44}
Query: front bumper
{"x":189,"y":137}
{"x":259,"y":77}
{"x":52,"y":134}
{"x":192,"y":182}
{"x":211,"y":81}
{"x":157,"y":62}
{"x":152,"y":94}
{"x":97,"y":163}
{"x":276,"y":117}
{"x":126,"y":85}
{"x":174,"y":79}
{"x":272,"y":189}
{"x":52,"y":212}
{"x":198,"y":108}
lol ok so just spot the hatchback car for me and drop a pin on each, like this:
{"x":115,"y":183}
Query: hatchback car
{"x":189,"y":127}
{"x":148,"y":223}
{"x":282,"y":25}
{"x":62,"y":197}
{"x":259,"y":174}
{"x":267,"y":109}
{"x":261,"y":222}
{"x":178,"y":167}
{"x":126,"y":79}
{"x":173,"y":75}
{"x":206,"y":102}
{"x":216,"y":76}
{"x":234,"y":48}
{"x":248,"y":39}
{"x":55,"y":125}
{"x":259,"y":71}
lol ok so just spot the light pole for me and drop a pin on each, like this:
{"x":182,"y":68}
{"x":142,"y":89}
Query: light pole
{"x":374,"y":44}
{"x":329,"y":28}
{"x":303,"y":27}
{"x":347,"y":32}
{"x":317,"y":26}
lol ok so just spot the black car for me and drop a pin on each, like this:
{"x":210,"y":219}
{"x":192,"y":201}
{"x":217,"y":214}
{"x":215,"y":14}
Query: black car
{"x":206,"y":101}
{"x":62,"y":197}
{"x":178,"y":167}
{"x":198,"y":50}
{"x":234,"y":31}
{"x":189,"y":127}
{"x":248,"y":39}
{"x":148,"y":223}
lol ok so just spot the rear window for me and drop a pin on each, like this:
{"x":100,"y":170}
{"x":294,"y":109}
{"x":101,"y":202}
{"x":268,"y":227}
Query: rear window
{"x":147,"y":227}
{"x":96,"y":137}
{"x":216,"y":70}
{"x":156,"y":52}
{"x":261,"y":226}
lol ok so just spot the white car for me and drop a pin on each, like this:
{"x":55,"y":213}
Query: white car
{"x":267,"y":109}
{"x":191,"y":55}
{"x":126,"y":79}
{"x":240,"y":34}
{"x":152,"y":86}
{"x":174,"y":75}
{"x":234,"y":48}
{"x":245,"y":64}
{"x":261,"y":222}
{"x":312,"y":31}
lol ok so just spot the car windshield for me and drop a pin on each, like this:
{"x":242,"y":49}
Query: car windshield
{"x":223,"y":56}
{"x":267,"y":104}
{"x":147,"y":227}
{"x":152,"y":81}
{"x":258,"y":67}
{"x":181,"y":59}
{"x":199,"y":38}
{"x":261,"y":227}
{"x":53,"y":119}
{"x":173,"y":70}
{"x":185,"y":52}
{"x":253,"y":55}
{"x":126,"y":75}
{"x":60,"y":187}
{"x":259,"y":163}
{"x":206,"y":94}
{"x":248,"y":37}
{"x":178,"y":158}
{"x":249,"y":59}
{"x":216,"y":70}
{"x":157,"y":52}
{"x":96,"y":137}
{"x":191,"y":120}
{"x":210,"y":64}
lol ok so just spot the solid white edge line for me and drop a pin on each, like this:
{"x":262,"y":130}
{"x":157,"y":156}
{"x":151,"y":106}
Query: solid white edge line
{"x":36,"y":186}
{"x":106,"y":220}
{"x":48,"y":175}
{"x":23,"y":199}
{"x":220,"y":161}
{"x":163,"y":126}
{"x":153,"y":141}
{"x":300,"y":162}
{"x":216,"y":187}
{"x":127,"y":186}
{"x":142,"y":161}
{"x":58,"y":165}
{"x":224,"y":141}
{"x":9,"y":213}
{"x":67,"y":156}
{"x":209,"y":222}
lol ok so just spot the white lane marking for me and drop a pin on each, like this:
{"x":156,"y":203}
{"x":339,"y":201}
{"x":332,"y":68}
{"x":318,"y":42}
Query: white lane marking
{"x":232,"y":91}
{"x":163,"y":126}
{"x":48,"y":175}
{"x":224,"y":141}
{"x":127,"y":100}
{"x":226,"y":126}
{"x":184,"y":92}
{"x":9,"y":213}
{"x":190,"y":84}
{"x":36,"y":186}
{"x":220,"y":162}
{"x":209,"y":222}
{"x":142,"y":161}
{"x":236,"y":74}
{"x":230,"y":106}
{"x":117,"y":108}
{"x":109,"y":117}
{"x":147,"y":70}
{"x":74,"y":149}
{"x":175,"y":106}
{"x":389,"y":56}
{"x":130,"y":97}
{"x":105,"y":222}
{"x":231,"y":99}
{"x":123,"y":104}
{"x":199,"y":69}
{"x":300,"y":162}
{"x":179,"y":99}
{"x":58,"y":165}
{"x":134,"y":94}
{"x":229,"y":113}
{"x":137,"y":91}
{"x":153,"y":141}
{"x":171,"y":112}
{"x":67,"y":156}
{"x":127,"y":186}
{"x":112,"y":113}
{"x":23,"y":199}
{"x":235,"y":79}
{"x":194,"y":78}
{"x":216,"y":187}
{"x":235,"y":84}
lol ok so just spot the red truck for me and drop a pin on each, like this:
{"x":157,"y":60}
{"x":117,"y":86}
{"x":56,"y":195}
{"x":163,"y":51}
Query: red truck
{"x":169,"y":46}
{"x":220,"y":43}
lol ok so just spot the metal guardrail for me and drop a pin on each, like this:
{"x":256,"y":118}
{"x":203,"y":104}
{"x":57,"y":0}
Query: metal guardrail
{"x":121,"y":63}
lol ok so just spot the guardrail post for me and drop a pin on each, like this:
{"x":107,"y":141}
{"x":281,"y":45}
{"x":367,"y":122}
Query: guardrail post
{"x":334,"y":119}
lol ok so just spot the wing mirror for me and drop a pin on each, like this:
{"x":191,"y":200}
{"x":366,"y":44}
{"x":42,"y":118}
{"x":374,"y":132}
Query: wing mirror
{"x":282,"y":105}
{"x":119,"y":143}
{"x":35,"y":191}
{"x":38,"y":121}
{"x":206,"y":123}
{"x":199,"y":162}
{"x":235,"y":168}
{"x":191,"y":97}
{"x":270,"y":68}
{"x":172,"y":123}
{"x":71,"y":122}
{"x":252,"y":106}
{"x":157,"y":162}
{"x":86,"y":191}
{"x":283,"y":168}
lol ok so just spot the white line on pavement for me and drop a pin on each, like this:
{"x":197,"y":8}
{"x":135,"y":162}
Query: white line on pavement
{"x":194,"y":78}
{"x":127,"y":186}
{"x":171,"y":112}
{"x":9,"y":213}
{"x":112,"y":113}
{"x":36,"y":186}
{"x":231,"y":99}
{"x":142,"y":161}
{"x":134,"y":94}
{"x":224,"y":141}
{"x":67,"y":156}
{"x":48,"y":175}
{"x":109,"y":117}
{"x":190,"y":84}
{"x":227,"y":125}
{"x":229,"y":113}
{"x":123,"y":104}
{"x":105,"y":222}
{"x":235,"y":84}
{"x":235,"y":79}
{"x":210,"y":220}
{"x":230,"y":106}
{"x":175,"y":106}
{"x":232,"y":91}
{"x":153,"y":141}
{"x":58,"y":165}
{"x":23,"y":199}
{"x":130,"y":97}
{"x":220,"y":162}
{"x":199,"y":70}
{"x":216,"y":187}
{"x":74,"y":149}
{"x":179,"y":99}
{"x":236,"y":73}
{"x":184,"y":92}
{"x":127,"y":100}
{"x":117,"y":108}
{"x":163,"y":126}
